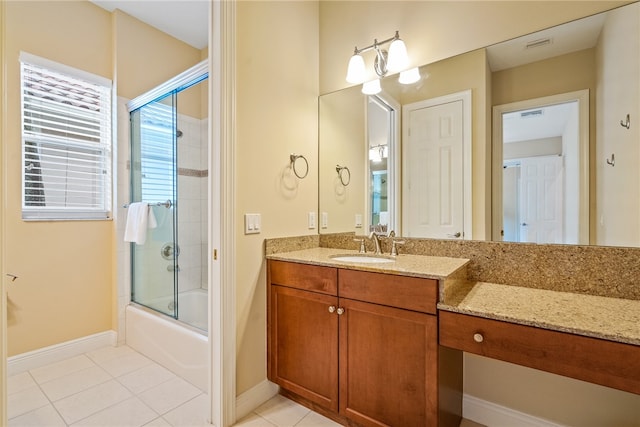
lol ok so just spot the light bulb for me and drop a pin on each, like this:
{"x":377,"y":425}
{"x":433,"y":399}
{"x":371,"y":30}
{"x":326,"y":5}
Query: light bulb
{"x":372,"y":87}
{"x":409,"y":76}
{"x":355,"y":71}
{"x":398,"y":58}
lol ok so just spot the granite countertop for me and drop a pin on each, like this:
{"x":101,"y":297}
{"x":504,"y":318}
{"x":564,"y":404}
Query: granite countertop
{"x":613,"y":319}
{"x":405,"y":265}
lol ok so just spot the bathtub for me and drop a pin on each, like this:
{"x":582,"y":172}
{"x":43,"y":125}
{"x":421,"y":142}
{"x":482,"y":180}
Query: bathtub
{"x":175,"y":345}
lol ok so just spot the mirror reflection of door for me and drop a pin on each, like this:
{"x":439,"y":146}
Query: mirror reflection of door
{"x":541,"y":174}
{"x":383,"y":117}
{"x":433,"y":170}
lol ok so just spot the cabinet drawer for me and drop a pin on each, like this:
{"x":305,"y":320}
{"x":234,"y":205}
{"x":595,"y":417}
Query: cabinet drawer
{"x":410,"y":293}
{"x":603,"y":362}
{"x":303,"y":276}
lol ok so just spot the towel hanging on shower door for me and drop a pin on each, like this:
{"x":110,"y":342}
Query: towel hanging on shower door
{"x":139,"y":218}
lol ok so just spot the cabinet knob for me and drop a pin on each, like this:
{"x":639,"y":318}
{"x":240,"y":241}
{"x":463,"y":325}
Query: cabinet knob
{"x":340,"y":310}
{"x":477,"y":337}
{"x":332,"y":308}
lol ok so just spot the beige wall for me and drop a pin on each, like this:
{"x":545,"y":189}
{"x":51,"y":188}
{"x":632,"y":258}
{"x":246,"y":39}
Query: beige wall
{"x":65,"y":288}
{"x":617,"y":189}
{"x":67,"y":269}
{"x":342,"y":138}
{"x":3,"y":299}
{"x":277,"y":114}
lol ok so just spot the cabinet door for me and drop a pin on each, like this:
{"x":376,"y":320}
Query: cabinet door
{"x":304,"y":344}
{"x":388,"y":365}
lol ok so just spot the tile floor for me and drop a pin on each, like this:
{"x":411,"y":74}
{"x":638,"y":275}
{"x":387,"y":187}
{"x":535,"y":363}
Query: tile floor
{"x":116,"y":386}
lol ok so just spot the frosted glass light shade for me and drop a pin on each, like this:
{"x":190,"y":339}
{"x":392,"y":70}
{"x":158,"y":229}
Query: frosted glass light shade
{"x":372,"y":87}
{"x":409,"y":76}
{"x":398,"y":59}
{"x":355,"y":71}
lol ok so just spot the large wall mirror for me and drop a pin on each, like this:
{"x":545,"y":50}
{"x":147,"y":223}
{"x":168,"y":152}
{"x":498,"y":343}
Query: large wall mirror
{"x":535,"y":139}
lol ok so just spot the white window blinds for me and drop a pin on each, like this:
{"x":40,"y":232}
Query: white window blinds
{"x":157,"y":152}
{"x":66,"y":135}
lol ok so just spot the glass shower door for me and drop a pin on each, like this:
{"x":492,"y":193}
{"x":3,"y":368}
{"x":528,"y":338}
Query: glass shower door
{"x":153,"y":180}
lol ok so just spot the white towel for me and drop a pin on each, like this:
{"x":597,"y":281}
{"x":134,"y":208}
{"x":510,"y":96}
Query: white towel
{"x":139,"y":218}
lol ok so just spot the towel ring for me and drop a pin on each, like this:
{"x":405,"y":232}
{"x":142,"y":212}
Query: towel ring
{"x":294,"y":158}
{"x":343,"y":177}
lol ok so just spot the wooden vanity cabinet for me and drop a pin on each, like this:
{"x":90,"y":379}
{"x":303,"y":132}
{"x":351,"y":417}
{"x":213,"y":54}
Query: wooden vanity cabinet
{"x":372,"y":361}
{"x":598,"y":361}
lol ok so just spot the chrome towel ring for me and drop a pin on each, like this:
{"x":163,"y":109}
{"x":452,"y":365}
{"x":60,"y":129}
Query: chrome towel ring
{"x":345,"y":178}
{"x":294,"y":158}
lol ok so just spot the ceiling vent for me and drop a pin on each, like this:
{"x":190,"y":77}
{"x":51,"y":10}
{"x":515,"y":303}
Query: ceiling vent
{"x":538,"y":43}
{"x":531,"y":113}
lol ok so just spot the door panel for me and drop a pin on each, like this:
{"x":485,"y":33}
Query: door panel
{"x":541,"y":201}
{"x":434,"y":175}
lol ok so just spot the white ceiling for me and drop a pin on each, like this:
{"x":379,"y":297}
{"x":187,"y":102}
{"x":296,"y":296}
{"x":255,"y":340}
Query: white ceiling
{"x":551,"y":123}
{"x":186,"y":20}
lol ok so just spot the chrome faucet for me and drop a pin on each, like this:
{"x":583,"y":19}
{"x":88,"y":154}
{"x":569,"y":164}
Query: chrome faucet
{"x":376,"y":240}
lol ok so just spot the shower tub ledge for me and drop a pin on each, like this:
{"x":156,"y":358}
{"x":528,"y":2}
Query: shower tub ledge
{"x":169,"y":343}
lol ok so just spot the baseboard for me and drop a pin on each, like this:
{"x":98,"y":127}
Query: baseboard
{"x":494,"y":415}
{"x":57,"y":352}
{"x":254,"y":397}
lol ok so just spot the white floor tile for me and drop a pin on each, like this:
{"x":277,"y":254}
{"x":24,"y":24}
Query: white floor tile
{"x":60,"y":369}
{"x":193,"y":413}
{"x":124,"y":364}
{"x":169,"y":395}
{"x":282,"y":412}
{"x":108,"y":353}
{"x":253,"y":420}
{"x":20,"y":382}
{"x":25,"y":401}
{"x":146,"y":378}
{"x":158,"y":422}
{"x":313,"y":419}
{"x":91,"y":401}
{"x":45,"y":416}
{"x":128,"y":413}
{"x":75,"y":382}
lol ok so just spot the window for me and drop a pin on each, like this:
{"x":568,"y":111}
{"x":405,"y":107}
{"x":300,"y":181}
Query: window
{"x":66,"y":142}
{"x":157,"y":152}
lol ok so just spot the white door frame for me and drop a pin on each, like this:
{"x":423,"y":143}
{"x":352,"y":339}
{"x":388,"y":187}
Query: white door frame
{"x":467,"y":203}
{"x":580,"y":96}
{"x":221,"y":248}
{"x":393,"y":164}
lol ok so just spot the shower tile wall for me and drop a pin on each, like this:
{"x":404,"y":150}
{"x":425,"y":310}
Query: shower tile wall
{"x":192,"y":208}
{"x":192,"y":203}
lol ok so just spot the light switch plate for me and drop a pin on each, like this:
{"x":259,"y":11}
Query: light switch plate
{"x":311,"y":219}
{"x":252,"y":223}
{"x":358,"y":220}
{"x":324,"y":220}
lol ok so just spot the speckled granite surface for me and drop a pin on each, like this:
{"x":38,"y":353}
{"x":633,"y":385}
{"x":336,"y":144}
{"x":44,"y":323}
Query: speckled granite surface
{"x":288,"y":244}
{"x":586,"y":290}
{"x":592,"y":270}
{"x":613,"y":319}
{"x":405,"y":265}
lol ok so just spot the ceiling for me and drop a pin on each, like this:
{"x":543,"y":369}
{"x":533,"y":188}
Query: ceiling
{"x":186,"y":20}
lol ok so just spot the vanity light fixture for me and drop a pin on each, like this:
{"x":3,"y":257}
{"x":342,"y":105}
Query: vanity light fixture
{"x":409,"y":76}
{"x":371,"y":88}
{"x":394,"y":60}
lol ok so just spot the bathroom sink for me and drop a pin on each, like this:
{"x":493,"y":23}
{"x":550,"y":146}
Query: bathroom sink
{"x":362,"y":258}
